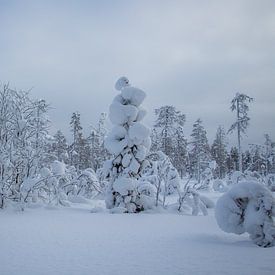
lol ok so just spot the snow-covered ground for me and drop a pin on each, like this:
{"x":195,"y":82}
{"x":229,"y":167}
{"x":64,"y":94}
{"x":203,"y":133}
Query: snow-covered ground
{"x":76,"y":241}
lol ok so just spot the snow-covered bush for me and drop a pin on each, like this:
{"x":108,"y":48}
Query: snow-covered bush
{"x":235,"y":177}
{"x":23,"y":141}
{"x":248,"y":207}
{"x":59,"y":184}
{"x":191,"y":199}
{"x":219,"y":185}
{"x":129,"y":142}
{"x":161,"y":173}
{"x":88,"y":184}
{"x":206,"y":178}
{"x":270,"y":182}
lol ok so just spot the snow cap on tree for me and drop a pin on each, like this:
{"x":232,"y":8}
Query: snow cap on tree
{"x":121,"y":83}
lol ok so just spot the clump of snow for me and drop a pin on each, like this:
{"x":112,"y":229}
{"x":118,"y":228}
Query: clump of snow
{"x":237,"y":177}
{"x":124,"y":185}
{"x":116,"y":140}
{"x":121,"y":83}
{"x":248,"y":207}
{"x":133,"y":96}
{"x":58,"y":168}
{"x":121,"y":113}
{"x":138,"y":133}
{"x":219,"y":186}
{"x":28,"y":184}
{"x":45,"y":172}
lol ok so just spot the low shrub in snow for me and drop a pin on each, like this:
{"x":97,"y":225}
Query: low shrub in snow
{"x":190,"y":198}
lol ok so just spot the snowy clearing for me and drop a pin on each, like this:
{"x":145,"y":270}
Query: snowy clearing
{"x":76,"y":241}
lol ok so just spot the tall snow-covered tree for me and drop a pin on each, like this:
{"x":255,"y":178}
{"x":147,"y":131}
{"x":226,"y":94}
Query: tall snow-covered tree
{"x":219,"y":152}
{"x":60,"y":147}
{"x":269,"y":154}
{"x":79,"y":150}
{"x":129,"y":142}
{"x":168,"y":136}
{"x":96,"y":140}
{"x":232,"y":161}
{"x":239,"y":104}
{"x":200,"y":150}
{"x":23,"y":138}
{"x":247,"y":160}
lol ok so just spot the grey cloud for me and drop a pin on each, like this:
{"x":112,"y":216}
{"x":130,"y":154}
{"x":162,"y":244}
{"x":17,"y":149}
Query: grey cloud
{"x":191,"y":54}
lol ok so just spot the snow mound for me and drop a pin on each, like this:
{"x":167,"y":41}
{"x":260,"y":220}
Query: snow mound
{"x":248,"y":207}
{"x":58,"y":168}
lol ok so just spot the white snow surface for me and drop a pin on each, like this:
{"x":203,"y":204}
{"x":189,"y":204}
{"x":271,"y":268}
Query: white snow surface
{"x":76,"y":241}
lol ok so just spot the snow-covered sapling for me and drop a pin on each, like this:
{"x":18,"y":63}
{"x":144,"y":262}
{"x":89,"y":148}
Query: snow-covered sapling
{"x":190,"y":198}
{"x":248,"y":207}
{"x":129,"y":142}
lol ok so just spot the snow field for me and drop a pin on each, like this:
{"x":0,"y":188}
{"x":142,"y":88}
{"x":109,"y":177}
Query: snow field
{"x":76,"y":241}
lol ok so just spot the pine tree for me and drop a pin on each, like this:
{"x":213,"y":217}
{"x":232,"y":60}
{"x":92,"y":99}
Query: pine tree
{"x":269,"y":154}
{"x":247,"y":160}
{"x":239,"y":104}
{"x":79,"y":150}
{"x":129,"y":142}
{"x":99,"y":154}
{"x":232,"y":160}
{"x":219,"y":153}
{"x":200,"y":150}
{"x":60,"y":147}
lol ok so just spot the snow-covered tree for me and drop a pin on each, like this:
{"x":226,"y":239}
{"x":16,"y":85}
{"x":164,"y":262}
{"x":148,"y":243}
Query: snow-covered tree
{"x":129,"y":142}
{"x":248,"y":207}
{"x":79,"y":150}
{"x":23,"y":138}
{"x":269,"y":154}
{"x":232,"y":160}
{"x":239,"y":104}
{"x":219,"y":152}
{"x":200,"y":150}
{"x":161,"y":174}
{"x":96,"y":141}
{"x":60,"y":147}
{"x":168,"y":136}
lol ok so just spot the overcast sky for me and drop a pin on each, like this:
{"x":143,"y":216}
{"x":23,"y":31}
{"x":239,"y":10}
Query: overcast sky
{"x":194,"y":55}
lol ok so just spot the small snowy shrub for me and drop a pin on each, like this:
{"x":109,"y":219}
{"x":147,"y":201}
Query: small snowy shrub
{"x":191,"y":199}
{"x":270,"y":182}
{"x":248,"y":207}
{"x":236,"y":177}
{"x":161,"y":173}
{"x":219,"y":186}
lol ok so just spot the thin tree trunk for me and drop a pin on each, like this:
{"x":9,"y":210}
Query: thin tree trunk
{"x":239,"y":138}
